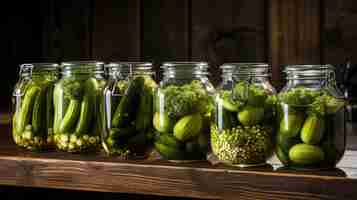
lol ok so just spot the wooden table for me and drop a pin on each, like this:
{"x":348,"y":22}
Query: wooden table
{"x":200,"y":180}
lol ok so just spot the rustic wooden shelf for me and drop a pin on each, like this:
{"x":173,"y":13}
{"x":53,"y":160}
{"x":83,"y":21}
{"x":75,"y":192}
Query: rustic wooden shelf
{"x":153,"y":177}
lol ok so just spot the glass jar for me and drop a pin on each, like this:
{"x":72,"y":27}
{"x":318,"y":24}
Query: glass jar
{"x":128,"y":109}
{"x":182,"y":111}
{"x":32,"y":125}
{"x":311,"y":113}
{"x":245,"y":109}
{"x":77,"y":99}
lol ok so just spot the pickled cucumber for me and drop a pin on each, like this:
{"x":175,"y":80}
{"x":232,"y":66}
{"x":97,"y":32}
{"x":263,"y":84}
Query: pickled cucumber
{"x":24,"y":114}
{"x":305,"y":154}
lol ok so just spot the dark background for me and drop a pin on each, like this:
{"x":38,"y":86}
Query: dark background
{"x":276,"y":31}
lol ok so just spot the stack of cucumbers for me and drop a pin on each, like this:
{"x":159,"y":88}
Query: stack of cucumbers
{"x":244,"y":122}
{"x":181,"y":119}
{"x":77,"y":124}
{"x":310,"y":121}
{"x":129,"y":111}
{"x":33,"y":117}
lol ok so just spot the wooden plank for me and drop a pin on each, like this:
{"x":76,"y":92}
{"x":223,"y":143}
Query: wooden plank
{"x":159,"y":178}
{"x":165,"y":31}
{"x":116,"y":30}
{"x":226,"y":31}
{"x":24,"y":193}
{"x":191,"y":180}
{"x":294,"y":34}
{"x":339,"y":34}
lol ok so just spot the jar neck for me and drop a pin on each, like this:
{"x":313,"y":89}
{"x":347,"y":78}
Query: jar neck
{"x":250,"y":72}
{"x":123,"y":70}
{"x":38,"y":70}
{"x":307,"y":83}
{"x":227,"y":77}
{"x":78,"y":71}
{"x":309,"y":76}
{"x":185,"y":70}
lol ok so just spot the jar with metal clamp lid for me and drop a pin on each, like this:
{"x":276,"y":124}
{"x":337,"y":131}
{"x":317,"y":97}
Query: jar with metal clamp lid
{"x":32,"y":125}
{"x":311,"y":114}
{"x":245,"y":109}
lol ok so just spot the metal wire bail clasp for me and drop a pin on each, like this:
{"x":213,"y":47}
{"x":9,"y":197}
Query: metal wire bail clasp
{"x":26,"y":69}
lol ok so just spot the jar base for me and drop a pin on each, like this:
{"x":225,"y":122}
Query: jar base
{"x":185,"y":161}
{"x":246,"y":165}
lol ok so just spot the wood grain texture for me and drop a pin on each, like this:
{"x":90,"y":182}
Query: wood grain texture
{"x":156,"y":177}
{"x":117,"y":30}
{"x":195,"y":180}
{"x":294,"y":32}
{"x":339,"y":36}
{"x":25,"y":193}
{"x":224,"y":31}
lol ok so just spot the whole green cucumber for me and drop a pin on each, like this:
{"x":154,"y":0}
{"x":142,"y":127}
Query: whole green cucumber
{"x":291,"y":124}
{"x":126,"y":110}
{"x":122,"y":133}
{"x":59,"y":106}
{"x":188,"y":127}
{"x":87,"y":106}
{"x":24,"y":114}
{"x":39,"y":113}
{"x":49,"y":107}
{"x":145,"y":112}
{"x":162,"y":122}
{"x":306,"y":154}
{"x":169,"y":141}
{"x":250,"y":115}
{"x":170,"y":153}
{"x":312,"y":130}
{"x":71,"y":116}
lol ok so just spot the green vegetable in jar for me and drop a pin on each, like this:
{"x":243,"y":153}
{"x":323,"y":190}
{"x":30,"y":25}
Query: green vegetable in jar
{"x":76,"y":126}
{"x":250,"y":94}
{"x":188,"y":127}
{"x":312,"y":130}
{"x":306,"y":154}
{"x":169,"y":152}
{"x":242,"y":145}
{"x":127,"y":108}
{"x":145,"y":111}
{"x":251,"y":115}
{"x":291,"y":124}
{"x":23,"y":116}
{"x":228,"y":103}
{"x":185,"y":100}
{"x":282,"y":155}
{"x":162,"y":122}
{"x":131,"y":122}
{"x":169,"y":140}
{"x":285,"y":142}
{"x":299,"y":96}
{"x":333,"y":105}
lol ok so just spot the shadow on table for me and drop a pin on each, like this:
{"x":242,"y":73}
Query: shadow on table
{"x":319,"y":172}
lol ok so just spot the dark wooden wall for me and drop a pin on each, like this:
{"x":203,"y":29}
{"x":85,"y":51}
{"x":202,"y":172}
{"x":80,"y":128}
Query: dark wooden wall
{"x":276,"y":31}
